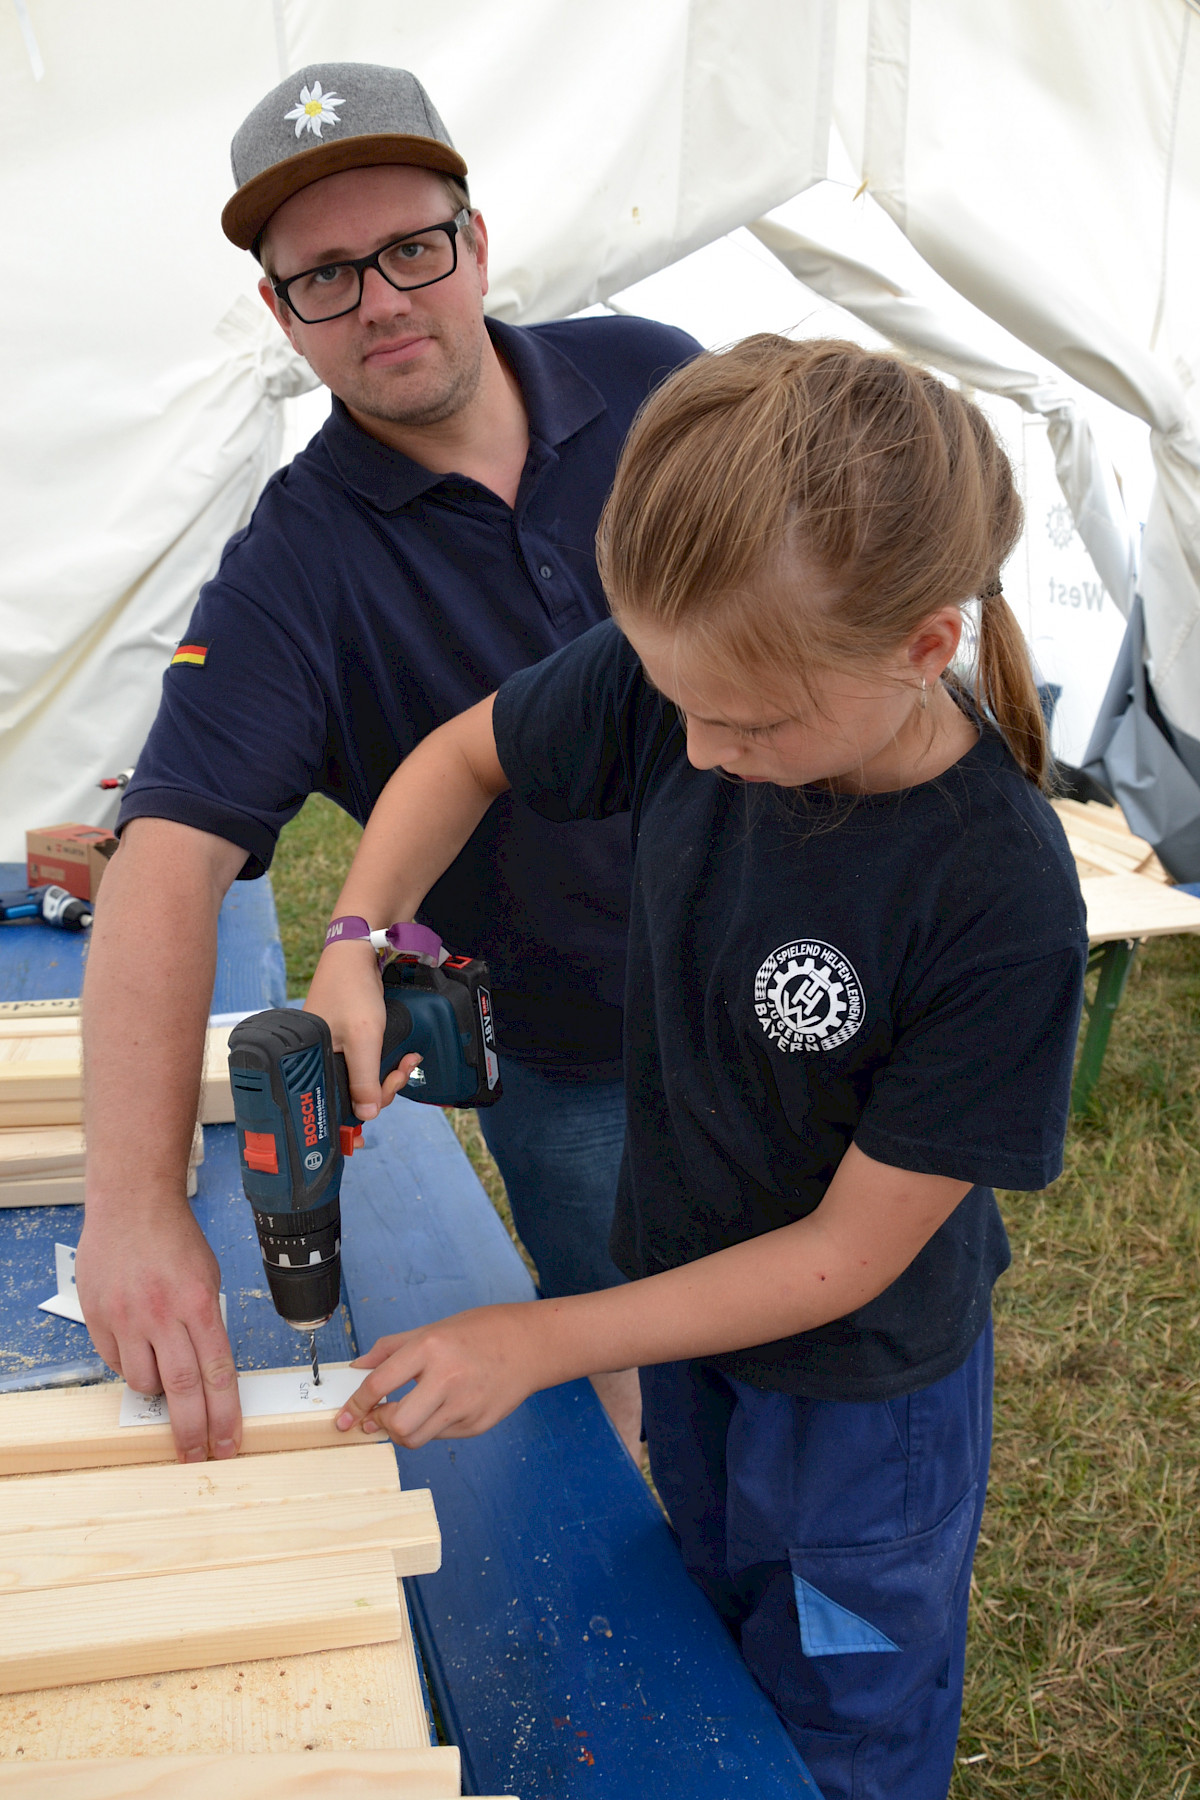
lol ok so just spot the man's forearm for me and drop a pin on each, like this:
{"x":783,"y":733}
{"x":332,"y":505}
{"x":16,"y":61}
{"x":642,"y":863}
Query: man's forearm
{"x":147,"y":993}
{"x":148,"y":1281}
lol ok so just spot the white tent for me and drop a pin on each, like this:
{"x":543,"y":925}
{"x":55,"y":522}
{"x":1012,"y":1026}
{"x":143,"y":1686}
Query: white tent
{"x":1028,"y":219}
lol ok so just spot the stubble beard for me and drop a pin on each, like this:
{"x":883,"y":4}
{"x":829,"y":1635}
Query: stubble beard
{"x":383,"y":395}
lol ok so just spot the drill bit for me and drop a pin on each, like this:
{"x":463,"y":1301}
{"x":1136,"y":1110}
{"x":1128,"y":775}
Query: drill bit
{"x":312,"y":1351}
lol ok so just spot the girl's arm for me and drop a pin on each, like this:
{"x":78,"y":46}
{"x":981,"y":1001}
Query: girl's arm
{"x":417,"y":827}
{"x":473,"y":1369}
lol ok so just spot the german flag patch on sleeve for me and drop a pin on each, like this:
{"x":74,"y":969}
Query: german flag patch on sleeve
{"x":190,"y":653}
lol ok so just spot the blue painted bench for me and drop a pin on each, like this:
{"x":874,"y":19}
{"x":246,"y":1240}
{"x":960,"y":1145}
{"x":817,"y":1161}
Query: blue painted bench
{"x":567,"y":1650}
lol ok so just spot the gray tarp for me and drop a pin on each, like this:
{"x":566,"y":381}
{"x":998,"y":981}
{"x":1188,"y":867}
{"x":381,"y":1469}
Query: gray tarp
{"x":1139,"y":764}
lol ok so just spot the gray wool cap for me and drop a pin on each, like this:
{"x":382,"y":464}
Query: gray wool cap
{"x":325,"y":118}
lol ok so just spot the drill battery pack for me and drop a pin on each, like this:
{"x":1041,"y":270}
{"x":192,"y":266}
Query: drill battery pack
{"x":446,"y":1015}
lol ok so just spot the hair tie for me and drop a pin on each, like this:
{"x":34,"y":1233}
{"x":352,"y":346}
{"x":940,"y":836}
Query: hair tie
{"x":994,"y":591}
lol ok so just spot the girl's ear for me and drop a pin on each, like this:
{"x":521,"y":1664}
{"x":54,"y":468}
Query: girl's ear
{"x":933,"y":648}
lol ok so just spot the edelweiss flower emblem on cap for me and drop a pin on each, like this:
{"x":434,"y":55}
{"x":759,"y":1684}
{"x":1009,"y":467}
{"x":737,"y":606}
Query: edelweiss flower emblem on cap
{"x":314,"y":110}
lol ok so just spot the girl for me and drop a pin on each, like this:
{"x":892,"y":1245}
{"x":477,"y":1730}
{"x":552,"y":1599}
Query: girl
{"x":855,"y":974}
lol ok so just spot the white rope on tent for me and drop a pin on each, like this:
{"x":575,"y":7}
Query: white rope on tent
{"x":30,"y":36}
{"x":281,"y":43}
{"x":1169,"y":183}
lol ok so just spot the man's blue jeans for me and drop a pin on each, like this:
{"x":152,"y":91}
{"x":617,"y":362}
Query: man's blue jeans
{"x":558,"y":1145}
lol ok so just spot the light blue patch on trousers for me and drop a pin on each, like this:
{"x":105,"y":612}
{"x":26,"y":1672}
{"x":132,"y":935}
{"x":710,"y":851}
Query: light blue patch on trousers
{"x":827,"y":1629}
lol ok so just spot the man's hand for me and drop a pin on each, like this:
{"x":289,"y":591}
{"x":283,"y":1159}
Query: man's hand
{"x":149,"y":1288}
{"x":147,"y":1280}
{"x":470,"y":1372}
{"x":347,"y":992}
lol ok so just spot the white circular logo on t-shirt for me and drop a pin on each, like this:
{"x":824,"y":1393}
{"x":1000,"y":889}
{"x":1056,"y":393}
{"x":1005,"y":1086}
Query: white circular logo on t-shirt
{"x":807,"y":996}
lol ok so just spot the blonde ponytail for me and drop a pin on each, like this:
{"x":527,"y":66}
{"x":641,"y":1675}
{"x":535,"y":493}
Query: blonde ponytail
{"x":1005,"y":689}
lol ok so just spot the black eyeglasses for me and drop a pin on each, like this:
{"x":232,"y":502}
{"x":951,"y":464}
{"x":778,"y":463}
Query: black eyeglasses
{"x":414,"y":261}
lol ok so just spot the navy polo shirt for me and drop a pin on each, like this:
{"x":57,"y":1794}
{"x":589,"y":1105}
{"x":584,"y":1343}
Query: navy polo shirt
{"x":368,"y":600}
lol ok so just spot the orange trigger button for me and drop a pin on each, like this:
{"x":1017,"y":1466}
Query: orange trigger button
{"x":349,"y":1139}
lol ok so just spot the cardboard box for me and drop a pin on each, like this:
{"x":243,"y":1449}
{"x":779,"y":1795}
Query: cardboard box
{"x":72,"y":856}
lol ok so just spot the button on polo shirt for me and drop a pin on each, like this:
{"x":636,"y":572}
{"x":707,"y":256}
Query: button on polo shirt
{"x":368,"y":600}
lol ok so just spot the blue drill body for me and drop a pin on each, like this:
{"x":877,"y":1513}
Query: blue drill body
{"x":296,"y":1124}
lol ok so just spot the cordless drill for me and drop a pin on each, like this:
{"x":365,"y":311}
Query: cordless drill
{"x":296,"y":1125}
{"x":51,"y":904}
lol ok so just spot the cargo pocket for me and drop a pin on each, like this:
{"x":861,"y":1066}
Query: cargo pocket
{"x":884,"y":1599}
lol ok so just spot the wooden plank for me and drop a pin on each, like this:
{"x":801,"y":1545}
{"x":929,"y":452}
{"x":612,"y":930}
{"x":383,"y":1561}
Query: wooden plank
{"x":57,"y":1636}
{"x":56,"y":1025}
{"x":59,"y":1190}
{"x":1088,"y":871}
{"x":1091,"y":827}
{"x":34,"y":1068}
{"x":68,"y":1007}
{"x":1104,"y":857}
{"x":44,"y":1150}
{"x":1131,"y":906}
{"x":41,"y":1076}
{"x":278,"y":1529}
{"x":364,"y":1698}
{"x":59,"y":1150}
{"x":431,"y":1774}
{"x":91,"y":1496}
{"x":1095,"y":816}
{"x":79,"y":1428}
{"x":22,"y":1113}
{"x":42,"y":1190}
{"x":216,"y":1096}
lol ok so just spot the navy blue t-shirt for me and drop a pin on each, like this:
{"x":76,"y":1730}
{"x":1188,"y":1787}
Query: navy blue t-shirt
{"x":903,"y":971}
{"x":370,"y":599}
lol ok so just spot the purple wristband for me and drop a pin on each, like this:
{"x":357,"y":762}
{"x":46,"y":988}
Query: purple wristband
{"x":350,"y":926}
{"x":406,"y":938}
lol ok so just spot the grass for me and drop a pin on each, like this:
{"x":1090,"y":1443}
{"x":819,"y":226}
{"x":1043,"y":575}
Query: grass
{"x":1084,"y":1662}
{"x":1083,"y":1673}
{"x":307,"y":874}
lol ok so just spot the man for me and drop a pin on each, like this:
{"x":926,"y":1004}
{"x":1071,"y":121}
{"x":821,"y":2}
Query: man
{"x":435,"y":536}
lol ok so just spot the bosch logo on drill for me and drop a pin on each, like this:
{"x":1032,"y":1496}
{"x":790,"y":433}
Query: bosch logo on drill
{"x":313,"y":1122}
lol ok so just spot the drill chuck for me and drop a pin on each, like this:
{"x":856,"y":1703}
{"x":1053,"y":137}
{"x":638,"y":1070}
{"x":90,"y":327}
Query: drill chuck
{"x":301,"y":1256}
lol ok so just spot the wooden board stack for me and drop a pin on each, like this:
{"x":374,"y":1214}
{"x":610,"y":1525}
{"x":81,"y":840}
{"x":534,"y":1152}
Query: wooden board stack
{"x":42,"y":1165}
{"x":1125,"y":888}
{"x":41,"y":1072}
{"x":41,"y":1102}
{"x":1102,"y":843}
{"x":174,"y":1630}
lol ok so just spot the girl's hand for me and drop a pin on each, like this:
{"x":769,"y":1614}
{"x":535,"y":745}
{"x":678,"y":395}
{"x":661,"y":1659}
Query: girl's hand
{"x":348,"y":994}
{"x":470,"y":1371}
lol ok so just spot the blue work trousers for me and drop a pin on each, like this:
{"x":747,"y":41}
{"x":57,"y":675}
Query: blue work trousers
{"x":558,"y":1144}
{"x":836,"y":1538}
